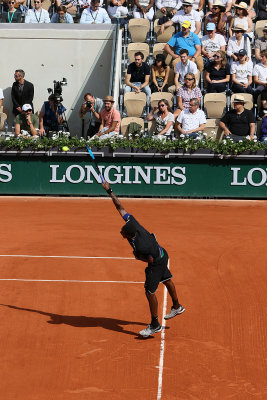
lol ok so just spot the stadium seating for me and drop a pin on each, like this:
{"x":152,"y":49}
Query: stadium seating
{"x":166,"y":35}
{"x":139,"y":29}
{"x":134,"y":47}
{"x":134,"y":103}
{"x":156,"y":97}
{"x":215,"y":104}
{"x":249,"y":100}
{"x":126,"y":121}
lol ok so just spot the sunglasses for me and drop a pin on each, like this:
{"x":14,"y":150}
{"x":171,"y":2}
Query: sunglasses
{"x":11,"y":2}
{"x":215,"y":8}
{"x":37,"y":2}
{"x":162,"y":105}
{"x":28,"y":111}
{"x":216,"y":56}
{"x":188,"y":79}
{"x":186,"y":5}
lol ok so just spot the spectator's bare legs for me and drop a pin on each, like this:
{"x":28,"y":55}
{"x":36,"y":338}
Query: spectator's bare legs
{"x":172,"y":292}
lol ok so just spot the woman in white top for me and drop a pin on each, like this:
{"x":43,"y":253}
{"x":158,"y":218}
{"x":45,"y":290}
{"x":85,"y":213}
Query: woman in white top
{"x":143,"y":9}
{"x":241,"y":18}
{"x":250,"y":3}
{"x":238,"y":42}
{"x":117,"y":8}
{"x":163,"y":117}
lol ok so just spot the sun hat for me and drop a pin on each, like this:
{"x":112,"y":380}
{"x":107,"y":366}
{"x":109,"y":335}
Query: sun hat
{"x":265,"y":27}
{"x":219,"y":4}
{"x":239,"y":27}
{"x":210,"y":26}
{"x":242,"y":5}
{"x":239,"y":99}
{"x":186,"y":24}
{"x":26,"y":107}
{"x":189,"y":2}
{"x":109,"y":98}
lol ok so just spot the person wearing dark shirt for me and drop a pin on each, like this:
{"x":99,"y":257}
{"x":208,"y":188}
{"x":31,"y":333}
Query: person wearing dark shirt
{"x":262,"y":7}
{"x":137,"y":77}
{"x":238,"y":123}
{"x":146,"y":249}
{"x":22,"y":92}
{"x":217,"y":73}
{"x":12,"y":15}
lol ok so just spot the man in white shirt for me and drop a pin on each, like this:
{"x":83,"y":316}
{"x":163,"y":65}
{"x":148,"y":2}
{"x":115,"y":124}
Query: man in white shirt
{"x":1,"y":97}
{"x":182,"y":68}
{"x":95,"y":14}
{"x":212,"y":42}
{"x":191,"y":121}
{"x":167,"y":8}
{"x":187,"y":14}
{"x":37,"y":15}
{"x":260,"y":74}
{"x":241,"y":74}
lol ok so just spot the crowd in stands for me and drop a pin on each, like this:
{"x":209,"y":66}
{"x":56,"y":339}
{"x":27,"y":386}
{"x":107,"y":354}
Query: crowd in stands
{"x":210,"y":48}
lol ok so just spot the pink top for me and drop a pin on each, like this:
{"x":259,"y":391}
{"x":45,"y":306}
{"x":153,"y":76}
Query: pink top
{"x":111,"y":116}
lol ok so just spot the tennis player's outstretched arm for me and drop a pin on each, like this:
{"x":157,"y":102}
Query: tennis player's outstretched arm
{"x":115,"y":200}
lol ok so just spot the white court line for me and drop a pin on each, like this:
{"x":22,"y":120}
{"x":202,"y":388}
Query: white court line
{"x":76,"y":257}
{"x":162,"y":343}
{"x":61,"y":280}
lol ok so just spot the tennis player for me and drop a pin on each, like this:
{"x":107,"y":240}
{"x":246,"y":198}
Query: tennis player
{"x":146,"y":248}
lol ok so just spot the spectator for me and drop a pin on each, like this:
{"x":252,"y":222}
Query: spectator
{"x":185,"y":40}
{"x":167,"y":8}
{"x":95,"y":14}
{"x":51,"y":116}
{"x":143,"y":9}
{"x":227,"y":5}
{"x":191,"y":120}
{"x":218,"y":73}
{"x":13,"y":15}
{"x":263,"y":133}
{"x":70,"y":5}
{"x":212,"y":42}
{"x":198,"y":6}
{"x":262,"y":7}
{"x":186,"y":93}
{"x":241,"y":18}
{"x":263,"y":108}
{"x":261,"y":44}
{"x":19,"y":5}
{"x":160,"y":74}
{"x":22,"y":92}
{"x":163,"y":117}
{"x":250,"y":4}
{"x":61,"y":16}
{"x":182,"y":68}
{"x":90,"y":113}
{"x":187,"y":14}
{"x":86,"y":3}
{"x":110,"y":120}
{"x":238,"y":42}
{"x":137,"y":77}
{"x":241,"y":74}
{"x":239,"y":122}
{"x":260,"y":75}
{"x":37,"y":15}
{"x":26,"y":121}
{"x":218,"y":16}
{"x":1,"y":97}
{"x":117,"y":8}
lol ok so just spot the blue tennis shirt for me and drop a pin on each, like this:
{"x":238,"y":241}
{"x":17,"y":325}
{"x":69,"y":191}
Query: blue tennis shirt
{"x":179,"y":42}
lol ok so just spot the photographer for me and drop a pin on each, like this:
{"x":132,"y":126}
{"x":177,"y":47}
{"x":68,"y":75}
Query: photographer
{"x":51,"y":116}
{"x":90,"y":114}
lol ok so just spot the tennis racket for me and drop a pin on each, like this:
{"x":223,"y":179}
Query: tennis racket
{"x":94,"y":160}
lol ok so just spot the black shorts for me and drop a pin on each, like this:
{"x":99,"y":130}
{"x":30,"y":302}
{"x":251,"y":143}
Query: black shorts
{"x":156,"y":273}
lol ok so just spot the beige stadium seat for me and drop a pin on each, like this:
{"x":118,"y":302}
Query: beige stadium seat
{"x":3,"y":118}
{"x":259,"y":27}
{"x":166,"y":35}
{"x":212,"y":125}
{"x":134,"y":47}
{"x":215,"y":104}
{"x":158,"y":48}
{"x":248,"y":97}
{"x":139,"y":28}
{"x":126,"y":121}
{"x":156,"y":97}
{"x":134,"y":103}
{"x":151,"y":127}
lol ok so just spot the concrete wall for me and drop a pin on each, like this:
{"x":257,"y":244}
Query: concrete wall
{"x":79,"y":53}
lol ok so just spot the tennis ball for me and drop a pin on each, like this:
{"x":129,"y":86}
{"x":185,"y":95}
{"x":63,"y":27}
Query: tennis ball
{"x":65,"y":148}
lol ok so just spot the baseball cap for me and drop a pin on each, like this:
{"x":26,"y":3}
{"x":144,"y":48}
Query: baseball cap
{"x":210,"y":26}
{"x":26,"y":107}
{"x":242,"y":52}
{"x":186,"y":24}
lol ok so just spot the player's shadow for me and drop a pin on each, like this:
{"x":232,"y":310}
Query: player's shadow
{"x":81,"y":321}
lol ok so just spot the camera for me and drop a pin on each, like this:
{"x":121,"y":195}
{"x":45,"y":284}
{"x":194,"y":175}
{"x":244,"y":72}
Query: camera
{"x":88,"y":104}
{"x":57,"y":92}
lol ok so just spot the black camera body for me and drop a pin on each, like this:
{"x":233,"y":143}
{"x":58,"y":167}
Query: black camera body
{"x":89,"y":104}
{"x":57,"y":92}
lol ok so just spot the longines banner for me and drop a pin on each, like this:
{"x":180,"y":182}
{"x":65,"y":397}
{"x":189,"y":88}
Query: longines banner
{"x":142,"y":177}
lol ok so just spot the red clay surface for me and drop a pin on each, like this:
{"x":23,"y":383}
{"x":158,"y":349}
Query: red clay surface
{"x":77,"y":340}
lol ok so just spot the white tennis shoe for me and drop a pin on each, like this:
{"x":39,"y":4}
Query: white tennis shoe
{"x":150,"y":331}
{"x":174,"y":312}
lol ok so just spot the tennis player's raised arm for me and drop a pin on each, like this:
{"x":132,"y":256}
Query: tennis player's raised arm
{"x":115,"y":200}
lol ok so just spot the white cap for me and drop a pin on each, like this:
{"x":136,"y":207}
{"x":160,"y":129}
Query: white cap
{"x":26,"y":107}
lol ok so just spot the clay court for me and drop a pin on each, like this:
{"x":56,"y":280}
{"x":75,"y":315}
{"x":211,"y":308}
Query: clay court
{"x":72,"y":301}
